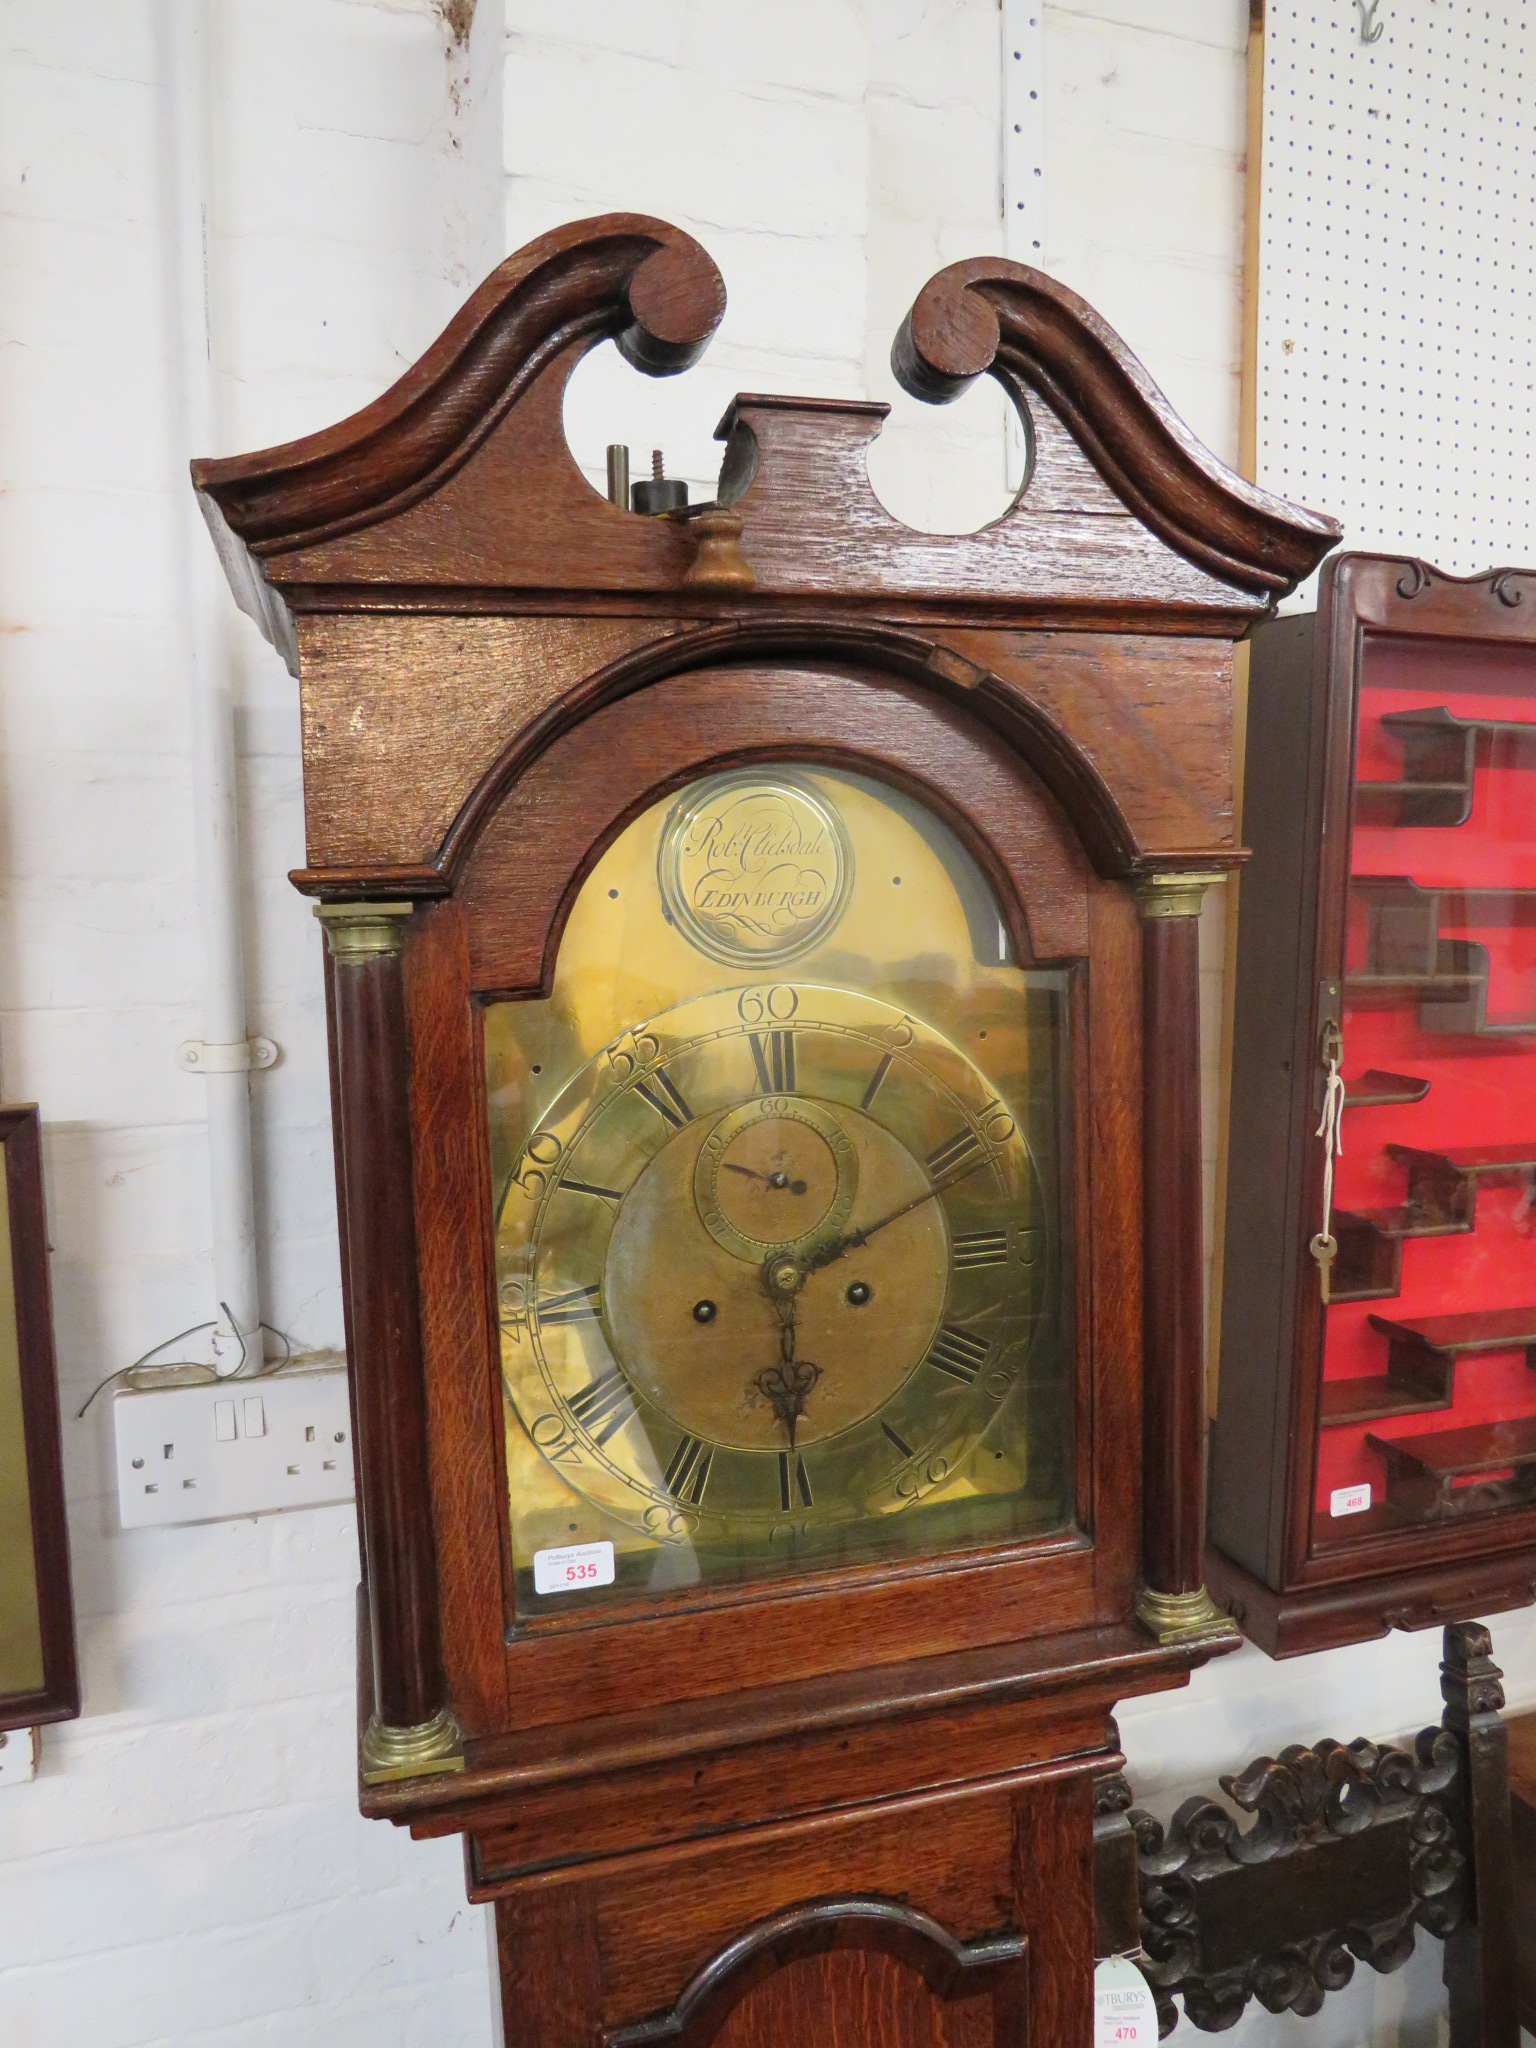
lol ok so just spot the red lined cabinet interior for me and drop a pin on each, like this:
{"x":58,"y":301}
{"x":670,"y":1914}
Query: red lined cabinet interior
{"x":1374,"y":1458}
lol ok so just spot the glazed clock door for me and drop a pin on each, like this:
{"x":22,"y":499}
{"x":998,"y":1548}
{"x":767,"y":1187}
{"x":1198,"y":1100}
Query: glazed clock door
{"x":778,"y":1171}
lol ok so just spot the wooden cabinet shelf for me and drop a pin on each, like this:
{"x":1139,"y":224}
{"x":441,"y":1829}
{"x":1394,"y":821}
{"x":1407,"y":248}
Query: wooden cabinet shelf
{"x":1452,"y":993}
{"x":1377,"y":1089}
{"x":1441,"y":1202}
{"x":1406,"y":915}
{"x":1421,"y":1362}
{"x":1448,"y":1473}
{"x":1439,"y":756}
{"x":1442,"y":1185}
{"x":1406,"y":958}
{"x":1363,"y":1400}
{"x":1369,"y":1266}
{"x":1457,"y":1336}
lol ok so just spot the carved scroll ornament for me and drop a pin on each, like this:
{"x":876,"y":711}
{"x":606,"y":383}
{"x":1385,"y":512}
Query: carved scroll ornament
{"x":1354,"y":1848}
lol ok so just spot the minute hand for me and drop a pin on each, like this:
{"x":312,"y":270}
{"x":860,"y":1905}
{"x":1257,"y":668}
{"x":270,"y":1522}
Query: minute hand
{"x":823,"y":1255}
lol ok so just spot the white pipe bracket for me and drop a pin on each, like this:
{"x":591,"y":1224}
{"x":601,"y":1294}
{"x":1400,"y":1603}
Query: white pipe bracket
{"x":194,"y":1057}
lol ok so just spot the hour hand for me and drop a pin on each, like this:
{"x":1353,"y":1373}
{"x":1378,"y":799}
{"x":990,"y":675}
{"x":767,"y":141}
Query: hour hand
{"x":771,"y":1180}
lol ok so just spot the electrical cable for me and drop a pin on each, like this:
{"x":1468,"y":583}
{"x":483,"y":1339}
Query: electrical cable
{"x":203,"y":1372}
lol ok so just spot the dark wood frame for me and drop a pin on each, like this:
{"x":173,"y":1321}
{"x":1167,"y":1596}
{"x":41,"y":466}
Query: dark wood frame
{"x":1303,"y":711}
{"x":58,"y":1697}
{"x":498,"y":669}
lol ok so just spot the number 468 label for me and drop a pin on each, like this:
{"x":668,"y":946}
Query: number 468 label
{"x":573,"y":1568}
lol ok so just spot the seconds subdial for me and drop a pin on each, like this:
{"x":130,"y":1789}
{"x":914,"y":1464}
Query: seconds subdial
{"x":775,"y":1172}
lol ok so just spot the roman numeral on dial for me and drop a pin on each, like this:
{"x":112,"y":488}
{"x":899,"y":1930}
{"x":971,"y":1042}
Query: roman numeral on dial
{"x":603,"y":1406}
{"x":981,"y":1248}
{"x":794,"y":1483}
{"x":666,"y":1098}
{"x":875,"y":1079}
{"x":574,"y":1307}
{"x":958,"y":1353}
{"x":688,"y":1474}
{"x":773,"y":1055}
{"x":957,"y":1156}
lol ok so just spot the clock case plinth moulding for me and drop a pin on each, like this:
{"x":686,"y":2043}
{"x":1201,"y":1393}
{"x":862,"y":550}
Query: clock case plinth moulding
{"x":498,"y":668}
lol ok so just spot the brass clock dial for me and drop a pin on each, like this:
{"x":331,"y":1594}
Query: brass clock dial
{"x":774,"y":1264}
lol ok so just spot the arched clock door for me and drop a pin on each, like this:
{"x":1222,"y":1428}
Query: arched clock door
{"x":762,"y":977}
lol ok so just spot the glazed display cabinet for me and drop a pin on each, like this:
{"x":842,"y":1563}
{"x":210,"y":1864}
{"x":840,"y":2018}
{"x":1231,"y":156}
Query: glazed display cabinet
{"x":1374,"y":1457}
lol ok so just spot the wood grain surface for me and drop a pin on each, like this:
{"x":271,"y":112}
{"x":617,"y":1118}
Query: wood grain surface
{"x":988,"y":314}
{"x":515,"y":883}
{"x":459,"y":477}
{"x":459,"y":1342}
{"x":519,"y":876}
{"x":851,"y":1970}
{"x":388,"y":1391}
{"x":855,"y":1996}
{"x":1131,"y":732}
{"x":647,"y":284}
{"x":980,"y":1862}
{"x":1480,"y":1958}
{"x":1110,"y":1277}
{"x":1173,"y":1346}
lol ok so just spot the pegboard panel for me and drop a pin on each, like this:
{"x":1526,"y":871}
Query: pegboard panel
{"x":1397,"y":285}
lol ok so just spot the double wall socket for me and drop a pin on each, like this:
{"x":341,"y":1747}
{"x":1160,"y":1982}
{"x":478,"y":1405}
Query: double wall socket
{"x":233,"y":1447}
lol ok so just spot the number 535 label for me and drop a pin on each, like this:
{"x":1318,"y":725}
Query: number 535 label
{"x":573,"y":1568}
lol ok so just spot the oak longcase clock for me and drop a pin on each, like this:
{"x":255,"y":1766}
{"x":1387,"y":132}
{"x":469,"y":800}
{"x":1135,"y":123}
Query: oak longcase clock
{"x":762,"y":979}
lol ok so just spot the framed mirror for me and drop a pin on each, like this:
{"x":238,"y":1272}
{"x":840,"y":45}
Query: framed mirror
{"x":39,"y":1677}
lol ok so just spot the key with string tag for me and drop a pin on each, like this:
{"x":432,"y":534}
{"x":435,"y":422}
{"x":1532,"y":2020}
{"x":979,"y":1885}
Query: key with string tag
{"x":1325,"y":1246}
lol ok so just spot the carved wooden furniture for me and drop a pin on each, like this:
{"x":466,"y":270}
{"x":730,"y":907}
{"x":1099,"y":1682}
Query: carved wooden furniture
{"x":1374,"y":1453}
{"x":39,"y":1680}
{"x":1521,"y":1732}
{"x":1353,"y":1849}
{"x":675,"y":870}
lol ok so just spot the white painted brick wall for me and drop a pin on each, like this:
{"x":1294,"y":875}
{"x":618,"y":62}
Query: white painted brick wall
{"x":189,"y":1867}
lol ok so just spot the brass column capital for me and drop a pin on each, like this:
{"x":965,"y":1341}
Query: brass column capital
{"x":1175,"y":894}
{"x":356,"y":931}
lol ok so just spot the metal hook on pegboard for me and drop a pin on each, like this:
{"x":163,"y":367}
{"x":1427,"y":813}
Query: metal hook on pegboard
{"x":1371,"y":30}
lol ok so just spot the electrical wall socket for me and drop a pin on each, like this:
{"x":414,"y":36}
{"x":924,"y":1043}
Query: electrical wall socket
{"x":233,"y":1447}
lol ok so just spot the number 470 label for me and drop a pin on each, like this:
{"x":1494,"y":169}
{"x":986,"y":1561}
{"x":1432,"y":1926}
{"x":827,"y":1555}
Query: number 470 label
{"x":573,"y":1568}
{"x":1124,"y":2010}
